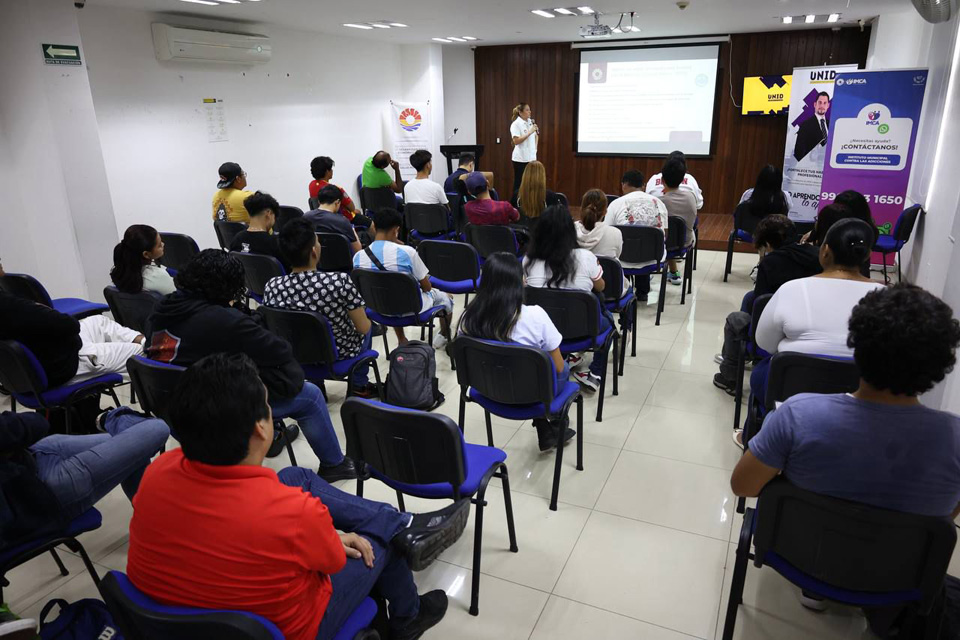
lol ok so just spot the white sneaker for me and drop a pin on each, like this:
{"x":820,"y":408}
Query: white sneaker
{"x":753,"y":273}
{"x":574,"y":361}
{"x":439,"y":342}
{"x":587,"y":379}
{"x":738,"y":438}
{"x":674,"y":277}
{"x":812,"y":601}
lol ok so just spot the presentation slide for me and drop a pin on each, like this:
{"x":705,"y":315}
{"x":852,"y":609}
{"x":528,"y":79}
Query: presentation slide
{"x":647,"y":101}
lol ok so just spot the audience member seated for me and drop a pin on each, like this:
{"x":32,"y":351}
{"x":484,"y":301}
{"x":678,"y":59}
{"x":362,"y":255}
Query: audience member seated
{"x":134,"y":267}
{"x":466,"y":165}
{"x":258,"y":237}
{"x":851,"y":205}
{"x":331,"y":294}
{"x":228,"y":200}
{"x":204,"y":317}
{"x":689,"y":183}
{"x":593,"y":233}
{"x":635,"y":207}
{"x":680,"y":203}
{"x":321,"y":168}
{"x":326,"y":218}
{"x":782,"y":259}
{"x":533,"y":191}
{"x":374,"y":175}
{"x":51,"y":479}
{"x":555,"y":261}
{"x":423,"y":190}
{"x":213,"y":528}
{"x":386,"y":253}
{"x":879,"y":445}
{"x":767,"y":196}
{"x":483,"y":209}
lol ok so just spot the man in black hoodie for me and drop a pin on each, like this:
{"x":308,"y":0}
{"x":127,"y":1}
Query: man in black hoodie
{"x":201,"y":318}
{"x":782,"y":259}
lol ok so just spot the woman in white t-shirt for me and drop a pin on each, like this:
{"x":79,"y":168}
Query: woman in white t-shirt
{"x":134,"y":267}
{"x":555,"y":261}
{"x":525,"y":136}
{"x":498,"y":313}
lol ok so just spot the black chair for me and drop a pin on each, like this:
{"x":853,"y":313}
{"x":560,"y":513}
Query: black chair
{"x":616,"y":300}
{"x":576,"y":314}
{"x":379,"y":198}
{"x":676,"y":248}
{"x":287,"y":213}
{"x":488,"y":239}
{"x":226,"y":231}
{"x":454,"y":266}
{"x":427,"y":221}
{"x":563,"y":199}
{"x":887,"y":244}
{"x":258,"y":270}
{"x":424,"y":454}
{"x":335,"y":252}
{"x":313,"y":204}
{"x":744,"y":226}
{"x":26,"y":286}
{"x":178,"y":248}
{"x":315,"y":347}
{"x":610,"y":199}
{"x":456,"y":211}
{"x":131,"y":309}
{"x":516,"y":382}
{"x":642,"y":245}
{"x":844,"y":551}
{"x":748,"y":349}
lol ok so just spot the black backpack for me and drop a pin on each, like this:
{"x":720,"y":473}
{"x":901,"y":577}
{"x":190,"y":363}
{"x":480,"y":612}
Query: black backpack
{"x":412,"y":380}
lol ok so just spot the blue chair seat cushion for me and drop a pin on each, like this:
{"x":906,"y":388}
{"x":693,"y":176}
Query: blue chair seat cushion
{"x":477,"y":459}
{"x":643,"y":271}
{"x":87,"y":521}
{"x":454,"y":286}
{"x":340,"y":368}
{"x":404,"y":321}
{"x":743,"y":236}
{"x":60,"y":395}
{"x":360,"y":619}
{"x":887,"y":244}
{"x":78,"y":306}
{"x":622,"y":303}
{"x":527,"y":411}
{"x":585,"y":344}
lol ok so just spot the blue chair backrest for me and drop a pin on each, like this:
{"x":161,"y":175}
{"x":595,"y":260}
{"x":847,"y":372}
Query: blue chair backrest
{"x":744,"y":220}
{"x":258,"y":270}
{"x":406,"y":445}
{"x":792,"y":373}
{"x":612,"y":278}
{"x":178,"y":249}
{"x":641,"y":244}
{"x":226,"y":230}
{"x":905,"y":223}
{"x":308,"y":332}
{"x":492,"y":238}
{"x":131,"y":309}
{"x":504,"y":372}
{"x":449,"y":260}
{"x":139,"y":616}
{"x":853,"y":546}
{"x":759,"y":304}
{"x":154,"y":383}
{"x":576,"y":314}
{"x":335,"y":252}
{"x":20,"y":371}
{"x":389,"y":293}
{"x":676,"y":233}
{"x":363,"y":204}
{"x":25,"y":286}
{"x":426,"y":219}
{"x":379,"y":198}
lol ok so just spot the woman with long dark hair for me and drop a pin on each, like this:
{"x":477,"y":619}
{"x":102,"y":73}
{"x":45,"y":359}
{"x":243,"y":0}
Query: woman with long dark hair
{"x":134,"y":269}
{"x":498,"y":313}
{"x":554,"y":260}
{"x":767,"y":196}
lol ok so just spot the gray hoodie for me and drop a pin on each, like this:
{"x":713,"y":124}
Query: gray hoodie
{"x":602,"y":240}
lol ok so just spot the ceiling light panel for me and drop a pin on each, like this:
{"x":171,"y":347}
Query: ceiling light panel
{"x":787,"y":19}
{"x":585,"y":10}
{"x":543,"y":13}
{"x":355,"y":25}
{"x":441,"y":40}
{"x":212,"y":4}
{"x":833,"y":17}
{"x":566,"y":12}
{"x":810,"y":18}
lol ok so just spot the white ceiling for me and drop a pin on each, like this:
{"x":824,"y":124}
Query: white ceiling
{"x":506,"y":21}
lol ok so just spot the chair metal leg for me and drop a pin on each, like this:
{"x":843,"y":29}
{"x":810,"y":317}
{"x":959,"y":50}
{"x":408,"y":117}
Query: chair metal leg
{"x":60,"y":565}
{"x":400,"y":504}
{"x":431,"y":332}
{"x":739,"y":577}
{"x":422,"y":332}
{"x":376,"y":376}
{"x":486,"y":417}
{"x":616,"y":358}
{"x":359,"y":486}
{"x":463,"y":407}
{"x":557,"y":467}
{"x":508,"y":506}
{"x":601,"y":393}
{"x":663,"y":292}
{"x":579,"y":402}
{"x":286,"y":442}
{"x":899,"y":269}
{"x":386,"y":347}
{"x":633,"y":352}
{"x":729,"y":266}
{"x":886,"y":278}
{"x":741,"y":505}
{"x":75,"y":546}
{"x":738,"y":393}
{"x":693,"y":267}
{"x":687,"y":277}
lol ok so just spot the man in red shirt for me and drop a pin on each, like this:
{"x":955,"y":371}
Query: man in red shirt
{"x":321,"y":168}
{"x":484,"y":209}
{"x":213,"y":528}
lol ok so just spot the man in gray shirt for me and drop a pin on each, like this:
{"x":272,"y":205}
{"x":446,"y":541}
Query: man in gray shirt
{"x":680,"y":203}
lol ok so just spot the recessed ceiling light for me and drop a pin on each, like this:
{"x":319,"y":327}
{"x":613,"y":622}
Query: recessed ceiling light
{"x":469,"y":38}
{"x":397,"y":24}
{"x":566,"y":12}
{"x":833,"y":17}
{"x":200,"y":2}
{"x":229,"y":1}
{"x":441,"y":40}
{"x":455,"y":39}
{"x":356,"y":26}
{"x":810,"y":18}
{"x":541,"y":12}
{"x":585,"y":10}
{"x":381,"y":26}
{"x":787,"y":19}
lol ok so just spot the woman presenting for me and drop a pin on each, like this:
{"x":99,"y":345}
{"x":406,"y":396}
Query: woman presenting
{"x":525,"y":135}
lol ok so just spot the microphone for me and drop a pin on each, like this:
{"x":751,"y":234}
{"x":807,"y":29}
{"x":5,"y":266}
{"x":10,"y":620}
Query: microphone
{"x":534,"y":123}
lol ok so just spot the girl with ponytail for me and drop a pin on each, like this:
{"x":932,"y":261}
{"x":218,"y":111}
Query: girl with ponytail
{"x":134,"y":269}
{"x":593,"y":233}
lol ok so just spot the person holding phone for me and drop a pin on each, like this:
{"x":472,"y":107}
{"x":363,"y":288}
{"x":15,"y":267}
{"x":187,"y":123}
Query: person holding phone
{"x":525,"y":135}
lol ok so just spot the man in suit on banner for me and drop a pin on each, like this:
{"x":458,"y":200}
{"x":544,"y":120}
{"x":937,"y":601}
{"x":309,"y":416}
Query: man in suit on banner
{"x":813,"y":131}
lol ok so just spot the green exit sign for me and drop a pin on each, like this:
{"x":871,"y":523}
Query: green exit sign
{"x":67,"y":54}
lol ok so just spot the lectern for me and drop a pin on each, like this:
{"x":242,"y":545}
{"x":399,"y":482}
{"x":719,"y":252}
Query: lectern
{"x":453,"y":152}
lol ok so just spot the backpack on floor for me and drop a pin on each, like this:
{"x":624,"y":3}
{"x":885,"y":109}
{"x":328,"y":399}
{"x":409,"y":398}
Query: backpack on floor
{"x":87,"y":619}
{"x":412,"y":379}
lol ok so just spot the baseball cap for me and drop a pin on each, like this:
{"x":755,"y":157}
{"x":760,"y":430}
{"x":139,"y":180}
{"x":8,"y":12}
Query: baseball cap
{"x":476,"y":183}
{"x":229,"y":171}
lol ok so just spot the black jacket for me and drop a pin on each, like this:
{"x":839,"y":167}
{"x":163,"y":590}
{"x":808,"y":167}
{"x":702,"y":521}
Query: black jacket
{"x":28,"y":508}
{"x":184,"y":328}
{"x":787,"y":263}
{"x":52,"y":336}
{"x":809,"y":135}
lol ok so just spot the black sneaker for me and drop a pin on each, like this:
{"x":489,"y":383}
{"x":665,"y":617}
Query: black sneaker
{"x":547,"y":435}
{"x":727,"y":385}
{"x":279,"y":445}
{"x":346,"y":470}
{"x":368,"y":390}
{"x":429,"y":534}
{"x":433,"y":606}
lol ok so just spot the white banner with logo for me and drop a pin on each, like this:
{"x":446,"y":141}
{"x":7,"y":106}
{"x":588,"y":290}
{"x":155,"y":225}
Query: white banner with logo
{"x":808,"y":124}
{"x":410,"y":128}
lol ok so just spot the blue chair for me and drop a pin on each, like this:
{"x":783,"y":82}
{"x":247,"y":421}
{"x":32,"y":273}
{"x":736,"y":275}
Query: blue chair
{"x":616,"y":300}
{"x":25,"y":286}
{"x":488,"y":239}
{"x":744,"y":225}
{"x":887,"y":244}
{"x":140,"y":617}
{"x":518,"y":383}
{"x":23,"y":377}
{"x":16,"y":555}
{"x":642,"y":245}
{"x":363,"y":205}
{"x":748,"y":349}
{"x":428,"y":222}
{"x":424,"y":454}
{"x":676,"y":249}
{"x":374,"y":199}
{"x":454,"y":266}
{"x":178,"y":249}
{"x":846,"y":552}
{"x":315,"y":348}
{"x":258,"y":270}
{"x":226,"y":230}
{"x":131,"y":309}
{"x":335,"y":254}
{"x":576,"y":315}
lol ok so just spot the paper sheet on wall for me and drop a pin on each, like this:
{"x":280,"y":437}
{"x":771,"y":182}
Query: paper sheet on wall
{"x":216,"y":120}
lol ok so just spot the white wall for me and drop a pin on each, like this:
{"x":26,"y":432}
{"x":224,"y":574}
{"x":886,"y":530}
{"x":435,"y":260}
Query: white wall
{"x":421,"y":73}
{"x":898,"y":40}
{"x":459,"y":94}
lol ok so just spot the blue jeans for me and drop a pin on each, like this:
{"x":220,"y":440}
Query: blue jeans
{"x":599,"y":364}
{"x":80,"y":470}
{"x":309,"y":409}
{"x":758,"y":383}
{"x":747,"y":305}
{"x":361,"y":375}
{"x":378,"y":523}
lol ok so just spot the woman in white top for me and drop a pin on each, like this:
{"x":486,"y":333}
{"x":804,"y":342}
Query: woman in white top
{"x":134,"y":269}
{"x":555,"y":261}
{"x":498,"y":313}
{"x":525,"y":135}
{"x":810,"y":315}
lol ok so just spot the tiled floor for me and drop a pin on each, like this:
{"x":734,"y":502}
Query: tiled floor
{"x":642,"y":544}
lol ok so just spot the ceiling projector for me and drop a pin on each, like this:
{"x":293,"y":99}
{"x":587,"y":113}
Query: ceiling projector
{"x":596,"y":30}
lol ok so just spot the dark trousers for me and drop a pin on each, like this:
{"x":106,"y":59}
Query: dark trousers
{"x":518,"y":169}
{"x":378,"y":523}
{"x":758,"y":384}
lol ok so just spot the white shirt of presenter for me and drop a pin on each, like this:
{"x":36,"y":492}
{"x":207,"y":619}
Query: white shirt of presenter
{"x":655,"y":187}
{"x":526,"y":151}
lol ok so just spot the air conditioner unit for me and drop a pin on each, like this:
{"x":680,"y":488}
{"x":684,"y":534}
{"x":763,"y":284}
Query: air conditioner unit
{"x":197,"y":45}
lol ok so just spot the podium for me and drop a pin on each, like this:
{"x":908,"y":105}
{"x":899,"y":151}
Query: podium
{"x":453,"y":151}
